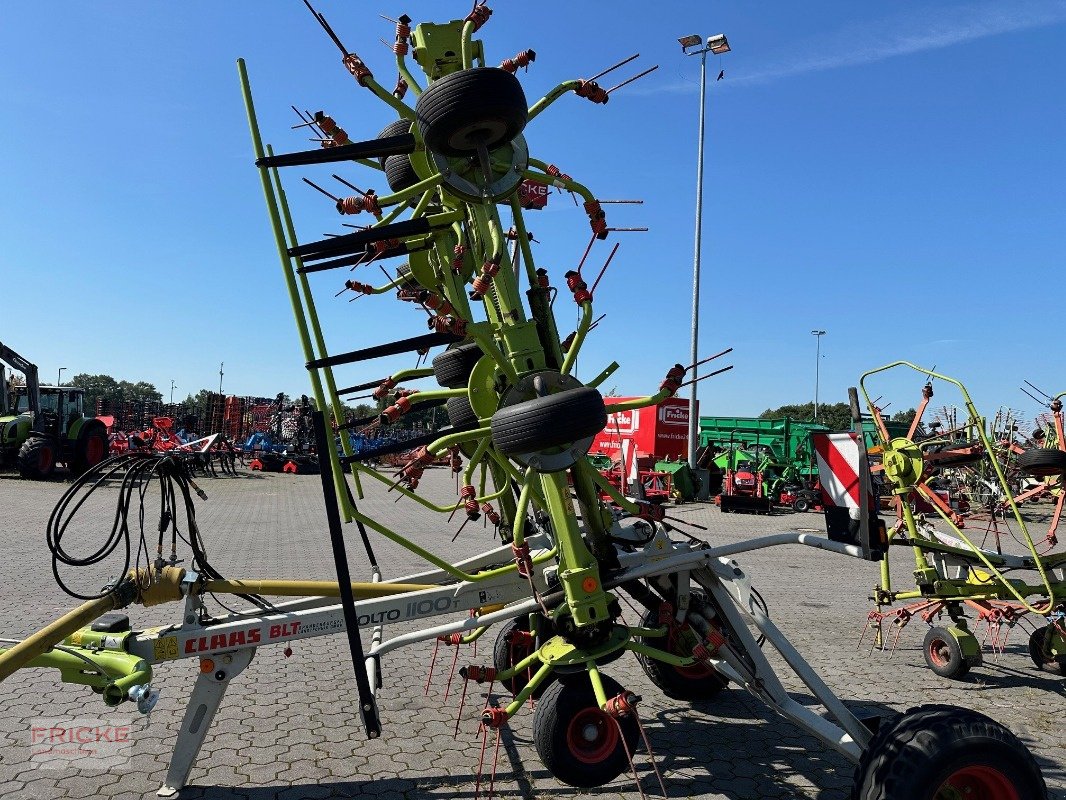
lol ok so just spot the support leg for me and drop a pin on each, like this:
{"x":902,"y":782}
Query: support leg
{"x":203,"y":703}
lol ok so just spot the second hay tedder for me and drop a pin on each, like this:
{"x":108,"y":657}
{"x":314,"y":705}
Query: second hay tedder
{"x":524,"y":423}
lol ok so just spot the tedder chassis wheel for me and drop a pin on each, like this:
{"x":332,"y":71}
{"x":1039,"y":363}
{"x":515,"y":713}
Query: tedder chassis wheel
{"x":580,"y":744}
{"x":698,"y":682}
{"x":452,"y":368}
{"x":938,"y":752}
{"x":943,"y":654}
{"x":1036,"y":651}
{"x":506,"y":653}
{"x":549,"y":421}
{"x":479,"y":107}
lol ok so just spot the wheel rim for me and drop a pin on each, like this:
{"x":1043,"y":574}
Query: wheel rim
{"x":591,"y":736}
{"x":44,"y":459}
{"x":977,"y":782}
{"x":94,"y":450}
{"x":939,"y":652}
{"x":695,"y":671}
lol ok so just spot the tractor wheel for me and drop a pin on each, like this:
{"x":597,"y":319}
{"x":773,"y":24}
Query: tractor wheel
{"x":452,"y":368}
{"x":943,"y":654}
{"x":400,"y":174}
{"x":460,"y":414}
{"x":37,"y":458}
{"x":802,"y":504}
{"x":941,"y":753}
{"x":1041,"y":462}
{"x":394,"y":128}
{"x":698,"y":682}
{"x":91,"y":448}
{"x":484,"y":106}
{"x":550,"y":421}
{"x":580,"y":744}
{"x":512,"y":647}
{"x":1037,"y":641}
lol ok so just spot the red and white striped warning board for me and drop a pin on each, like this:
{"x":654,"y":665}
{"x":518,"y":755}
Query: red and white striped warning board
{"x":838,"y":468}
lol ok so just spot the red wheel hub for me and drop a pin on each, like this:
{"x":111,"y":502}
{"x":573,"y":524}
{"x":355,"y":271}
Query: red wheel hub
{"x":44,"y":459}
{"x":693,"y":671}
{"x":592,"y":736}
{"x":95,"y":449}
{"x":978,"y":782}
{"x":939,"y":653}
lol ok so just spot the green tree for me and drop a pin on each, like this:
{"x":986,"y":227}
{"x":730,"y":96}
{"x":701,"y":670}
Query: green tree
{"x":835,"y":416}
{"x":95,"y":386}
{"x":138,"y":392}
{"x":904,"y":416}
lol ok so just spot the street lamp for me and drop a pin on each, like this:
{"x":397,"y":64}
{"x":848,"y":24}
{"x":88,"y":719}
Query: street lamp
{"x":817,"y":364}
{"x":59,"y":379}
{"x":172,"y":391}
{"x":716,"y":44}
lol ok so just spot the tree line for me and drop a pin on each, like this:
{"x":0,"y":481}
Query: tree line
{"x":835,"y":416}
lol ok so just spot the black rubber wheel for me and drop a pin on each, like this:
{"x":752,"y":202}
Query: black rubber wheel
{"x":37,"y":458}
{"x":698,"y":682}
{"x":943,"y":654}
{"x":938,"y":752}
{"x":92,"y":448}
{"x":481,"y":106}
{"x":394,"y":128}
{"x":543,"y":422}
{"x":507,"y":652}
{"x":452,"y":368}
{"x":460,"y":414}
{"x":1036,"y":651}
{"x":1042,"y":462}
{"x":400,"y":174}
{"x":578,"y":743}
{"x":802,"y":504}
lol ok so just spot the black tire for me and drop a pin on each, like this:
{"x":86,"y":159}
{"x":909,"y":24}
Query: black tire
{"x":37,"y":458}
{"x":1036,"y":651}
{"x":694,"y":683}
{"x":578,"y":743}
{"x":506,"y":653}
{"x":943,"y":654}
{"x":460,"y":414}
{"x":92,"y":447}
{"x":452,"y":368}
{"x":399,"y":173}
{"x":480,"y":106}
{"x":544,"y":422}
{"x":1042,"y":462}
{"x":394,"y":128}
{"x":802,"y":504}
{"x":936,"y":751}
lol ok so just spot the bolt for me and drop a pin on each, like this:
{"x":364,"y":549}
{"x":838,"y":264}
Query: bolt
{"x":220,"y":675}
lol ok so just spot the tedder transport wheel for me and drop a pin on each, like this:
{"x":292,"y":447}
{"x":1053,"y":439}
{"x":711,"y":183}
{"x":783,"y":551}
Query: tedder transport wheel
{"x":460,"y":414}
{"x":480,"y":107}
{"x":943,"y":654}
{"x":1037,"y":642}
{"x":580,"y":744}
{"x":37,"y":458}
{"x":549,"y":421}
{"x":1042,"y":462}
{"x":698,"y":682}
{"x":400,"y":174}
{"x":394,"y":128}
{"x":512,"y":645}
{"x":945,"y":753}
{"x":92,"y":448}
{"x":452,"y":367}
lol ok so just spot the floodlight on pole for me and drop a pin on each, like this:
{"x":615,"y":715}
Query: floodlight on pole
{"x":715,"y":44}
{"x":172,"y":391}
{"x":59,"y":379}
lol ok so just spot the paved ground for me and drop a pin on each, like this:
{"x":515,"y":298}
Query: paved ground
{"x":287,"y":728}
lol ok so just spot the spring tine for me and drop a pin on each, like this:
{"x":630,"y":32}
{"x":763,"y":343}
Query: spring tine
{"x":599,"y":75}
{"x":1038,"y":391}
{"x":325,"y":26}
{"x":709,"y":358}
{"x":314,"y":185}
{"x":651,"y":753}
{"x":317,"y":127}
{"x":451,"y":674}
{"x":635,"y":77}
{"x":462,"y":702}
{"x":708,"y":375}
{"x":481,"y":760}
{"x":349,"y":185}
{"x":432,"y":663}
{"x":604,"y":269}
{"x":623,"y":230}
{"x":629,"y":758}
{"x":586,"y":255}
{"x":621,"y":202}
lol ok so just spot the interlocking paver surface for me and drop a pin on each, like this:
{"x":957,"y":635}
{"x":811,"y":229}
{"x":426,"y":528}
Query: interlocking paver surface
{"x":288,"y":727}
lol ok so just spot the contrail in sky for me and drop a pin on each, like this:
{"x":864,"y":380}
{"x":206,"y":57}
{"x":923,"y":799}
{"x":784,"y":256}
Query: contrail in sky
{"x":900,"y":35}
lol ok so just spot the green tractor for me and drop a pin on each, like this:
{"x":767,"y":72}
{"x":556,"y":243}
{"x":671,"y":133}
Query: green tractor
{"x":44,"y":426}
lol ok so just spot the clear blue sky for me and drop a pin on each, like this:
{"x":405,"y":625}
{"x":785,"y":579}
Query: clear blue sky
{"x":892,"y":173}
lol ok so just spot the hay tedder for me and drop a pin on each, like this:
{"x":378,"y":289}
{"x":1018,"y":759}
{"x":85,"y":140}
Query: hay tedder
{"x":954,"y":572}
{"x":454,"y":159}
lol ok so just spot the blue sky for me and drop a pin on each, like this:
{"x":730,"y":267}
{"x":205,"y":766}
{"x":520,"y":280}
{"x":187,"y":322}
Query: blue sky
{"x":892,"y":173}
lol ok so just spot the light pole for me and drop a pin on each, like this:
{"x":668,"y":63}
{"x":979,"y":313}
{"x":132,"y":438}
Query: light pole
{"x":220,"y":365}
{"x":172,"y":391}
{"x":817,"y":365}
{"x":59,"y":379}
{"x":716,"y":44}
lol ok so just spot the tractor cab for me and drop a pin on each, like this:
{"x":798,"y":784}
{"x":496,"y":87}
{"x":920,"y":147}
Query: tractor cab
{"x":60,"y":407}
